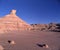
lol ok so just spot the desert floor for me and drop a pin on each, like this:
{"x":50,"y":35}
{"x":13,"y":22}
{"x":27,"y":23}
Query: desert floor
{"x":28,"y":40}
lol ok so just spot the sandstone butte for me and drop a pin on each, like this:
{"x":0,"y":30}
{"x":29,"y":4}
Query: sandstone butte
{"x":12,"y":22}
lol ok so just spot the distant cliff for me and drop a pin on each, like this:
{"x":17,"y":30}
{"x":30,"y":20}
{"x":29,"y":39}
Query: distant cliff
{"x":47,"y":27}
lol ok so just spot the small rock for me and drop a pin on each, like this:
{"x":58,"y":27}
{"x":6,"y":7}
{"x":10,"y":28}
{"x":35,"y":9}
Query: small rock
{"x":11,"y":42}
{"x":45,"y":46}
{"x":1,"y":47}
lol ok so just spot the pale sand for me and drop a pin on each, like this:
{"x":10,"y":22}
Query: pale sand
{"x":28,"y":40}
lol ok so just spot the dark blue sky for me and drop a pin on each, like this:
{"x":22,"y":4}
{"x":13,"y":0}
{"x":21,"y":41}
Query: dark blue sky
{"x":33,"y":11}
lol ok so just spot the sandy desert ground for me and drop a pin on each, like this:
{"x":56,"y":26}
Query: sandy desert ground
{"x":28,"y":40}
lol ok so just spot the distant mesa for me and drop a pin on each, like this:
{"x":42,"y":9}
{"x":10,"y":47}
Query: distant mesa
{"x":55,"y":27}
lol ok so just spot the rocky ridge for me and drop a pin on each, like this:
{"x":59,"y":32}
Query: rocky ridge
{"x":47,"y":27}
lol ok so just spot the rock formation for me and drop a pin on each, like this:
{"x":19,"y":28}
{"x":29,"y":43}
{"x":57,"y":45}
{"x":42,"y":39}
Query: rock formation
{"x":11,"y":22}
{"x":41,"y":27}
{"x":47,"y":27}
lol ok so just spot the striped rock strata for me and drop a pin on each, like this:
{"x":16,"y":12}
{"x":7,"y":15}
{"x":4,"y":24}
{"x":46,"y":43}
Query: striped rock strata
{"x":11,"y":22}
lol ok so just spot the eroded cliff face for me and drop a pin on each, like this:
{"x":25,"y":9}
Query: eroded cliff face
{"x":12,"y":22}
{"x":47,"y":27}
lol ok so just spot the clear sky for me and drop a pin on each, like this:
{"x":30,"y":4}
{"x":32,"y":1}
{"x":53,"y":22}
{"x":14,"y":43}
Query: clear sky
{"x":33,"y":11}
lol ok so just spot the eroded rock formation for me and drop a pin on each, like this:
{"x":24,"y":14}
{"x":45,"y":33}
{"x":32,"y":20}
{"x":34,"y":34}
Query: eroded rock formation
{"x":11,"y":22}
{"x":47,"y":27}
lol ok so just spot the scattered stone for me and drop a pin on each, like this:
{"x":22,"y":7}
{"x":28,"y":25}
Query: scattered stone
{"x":43,"y":45}
{"x":1,"y":47}
{"x":11,"y":42}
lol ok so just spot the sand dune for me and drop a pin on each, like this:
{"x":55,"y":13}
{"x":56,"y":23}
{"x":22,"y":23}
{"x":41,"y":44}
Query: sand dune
{"x":28,"y":40}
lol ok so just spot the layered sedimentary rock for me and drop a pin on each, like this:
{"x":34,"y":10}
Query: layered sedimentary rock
{"x":12,"y":22}
{"x":40,"y":27}
{"x":54,"y":27}
{"x":46,"y":27}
